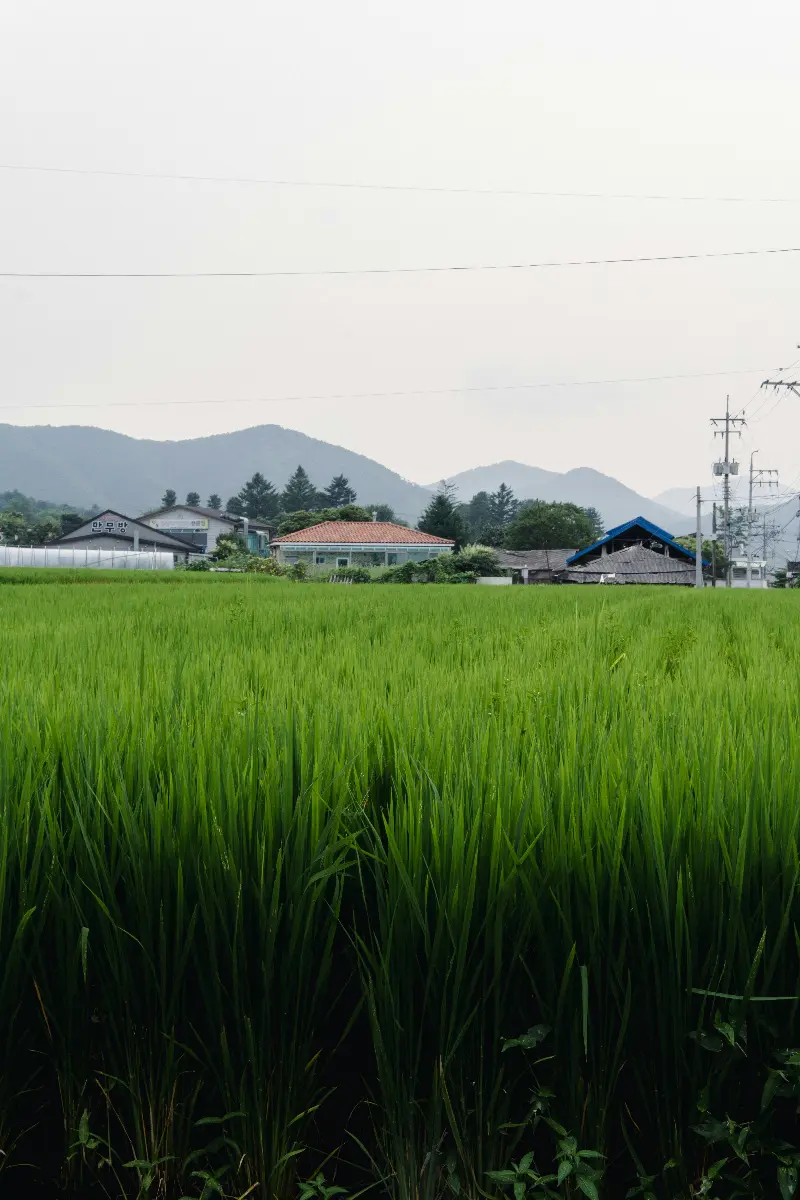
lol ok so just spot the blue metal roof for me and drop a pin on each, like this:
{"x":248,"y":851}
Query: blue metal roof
{"x":648,"y":527}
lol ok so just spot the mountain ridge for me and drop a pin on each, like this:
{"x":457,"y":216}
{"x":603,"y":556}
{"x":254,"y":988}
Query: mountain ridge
{"x":86,"y":465}
{"x":584,"y":486}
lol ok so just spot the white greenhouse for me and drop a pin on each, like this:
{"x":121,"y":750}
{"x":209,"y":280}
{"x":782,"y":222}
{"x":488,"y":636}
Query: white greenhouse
{"x":86,"y":556}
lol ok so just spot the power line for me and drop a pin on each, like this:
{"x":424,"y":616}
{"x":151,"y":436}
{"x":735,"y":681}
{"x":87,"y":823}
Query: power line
{"x":497,"y":387}
{"x":529,"y":266}
{"x":398,"y":187}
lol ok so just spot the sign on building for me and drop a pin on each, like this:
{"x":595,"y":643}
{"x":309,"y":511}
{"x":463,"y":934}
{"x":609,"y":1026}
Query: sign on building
{"x":179,"y":523}
{"x":109,"y":526}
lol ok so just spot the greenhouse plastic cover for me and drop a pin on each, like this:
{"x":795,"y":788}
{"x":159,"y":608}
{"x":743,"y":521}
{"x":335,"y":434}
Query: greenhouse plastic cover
{"x":62,"y":556}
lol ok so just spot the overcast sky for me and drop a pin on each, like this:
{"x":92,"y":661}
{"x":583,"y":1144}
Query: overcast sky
{"x":693,"y":97}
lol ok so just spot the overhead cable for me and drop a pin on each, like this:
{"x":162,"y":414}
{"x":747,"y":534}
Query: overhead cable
{"x":336,"y":271}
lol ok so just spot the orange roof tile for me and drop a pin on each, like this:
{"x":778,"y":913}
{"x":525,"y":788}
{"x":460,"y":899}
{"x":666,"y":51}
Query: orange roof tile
{"x":378,"y":533}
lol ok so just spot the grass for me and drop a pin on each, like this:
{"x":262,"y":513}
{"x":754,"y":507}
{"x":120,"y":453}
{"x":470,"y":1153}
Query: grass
{"x":308,"y":855}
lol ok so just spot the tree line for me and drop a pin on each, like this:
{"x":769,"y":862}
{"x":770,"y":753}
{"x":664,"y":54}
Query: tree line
{"x":496,"y":519}
{"x":25,"y":521}
{"x":500,"y":520}
{"x":298,"y":505}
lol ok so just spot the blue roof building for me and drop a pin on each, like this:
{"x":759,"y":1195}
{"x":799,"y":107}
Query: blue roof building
{"x":638,"y":532}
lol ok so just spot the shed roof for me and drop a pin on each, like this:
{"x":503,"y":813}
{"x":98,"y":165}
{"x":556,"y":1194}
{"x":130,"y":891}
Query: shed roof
{"x":634,"y":564}
{"x":214,"y":514}
{"x":84,"y":532}
{"x":362,"y":533}
{"x":534,"y":560}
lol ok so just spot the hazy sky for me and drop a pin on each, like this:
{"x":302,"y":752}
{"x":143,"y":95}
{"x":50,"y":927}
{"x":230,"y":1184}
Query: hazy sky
{"x":697,"y":97}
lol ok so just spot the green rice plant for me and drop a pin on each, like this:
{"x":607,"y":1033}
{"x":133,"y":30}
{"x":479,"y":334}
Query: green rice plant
{"x":315,"y":855}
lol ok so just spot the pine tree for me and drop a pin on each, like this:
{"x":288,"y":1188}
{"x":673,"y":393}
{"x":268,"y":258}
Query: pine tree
{"x":214,"y":501}
{"x":235,"y":507}
{"x":478,"y":515}
{"x":504,"y":505}
{"x":193,"y":499}
{"x":338,"y":492}
{"x":169,"y":498}
{"x":441,"y":517}
{"x":259,"y":498}
{"x":598,"y":528}
{"x":299,"y":493}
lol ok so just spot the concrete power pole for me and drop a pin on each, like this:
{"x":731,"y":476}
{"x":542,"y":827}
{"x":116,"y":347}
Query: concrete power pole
{"x":758,"y":475}
{"x":723,"y":427}
{"x":698,"y":545}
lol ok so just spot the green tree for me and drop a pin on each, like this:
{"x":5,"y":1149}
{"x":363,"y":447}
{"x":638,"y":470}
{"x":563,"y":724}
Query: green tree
{"x":193,"y":499}
{"x":235,"y":506}
{"x":384,"y":512}
{"x":598,"y":527}
{"x":229,"y":544}
{"x":542,"y":526}
{"x":783,"y":579}
{"x":441,"y":518}
{"x":214,"y":501}
{"x":69,"y":521}
{"x":45,"y":529}
{"x":477,"y":515}
{"x":13,"y":527}
{"x":338,"y":492}
{"x":739,"y":521}
{"x":504,"y":506}
{"x":295,"y":521}
{"x":169,"y":498}
{"x":713,"y":552}
{"x":492,"y":535}
{"x":299,"y":493}
{"x":259,"y":498}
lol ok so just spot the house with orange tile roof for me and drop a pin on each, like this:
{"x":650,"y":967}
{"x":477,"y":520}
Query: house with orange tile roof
{"x":332,"y":544}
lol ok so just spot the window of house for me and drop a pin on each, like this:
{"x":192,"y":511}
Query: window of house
{"x":739,"y":572}
{"x":392,"y":560}
{"x":291,"y":559}
{"x":320,"y":559}
{"x":341,"y":562}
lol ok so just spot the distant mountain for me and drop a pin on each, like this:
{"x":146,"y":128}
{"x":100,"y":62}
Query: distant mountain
{"x":683,"y":499}
{"x":86,"y":466}
{"x":584,"y":486}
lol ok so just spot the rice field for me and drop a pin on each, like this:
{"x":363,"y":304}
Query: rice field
{"x":394,"y":886}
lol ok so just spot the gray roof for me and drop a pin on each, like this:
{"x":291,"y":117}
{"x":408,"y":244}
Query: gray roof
{"x":634,"y":564}
{"x":85,"y":533}
{"x":216,"y":514}
{"x":533,"y":560}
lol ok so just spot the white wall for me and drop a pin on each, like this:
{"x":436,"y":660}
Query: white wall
{"x":184,"y":518}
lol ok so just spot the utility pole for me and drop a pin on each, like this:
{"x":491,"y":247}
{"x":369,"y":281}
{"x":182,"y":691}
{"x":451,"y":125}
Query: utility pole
{"x":714,"y":546}
{"x":758,"y":475}
{"x":792,"y":385}
{"x":698,"y":546}
{"x":723,"y":427}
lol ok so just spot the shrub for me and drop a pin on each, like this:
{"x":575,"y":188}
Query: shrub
{"x":228,"y":545}
{"x":476,"y":560}
{"x":265,"y":566}
{"x":357,"y":574}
